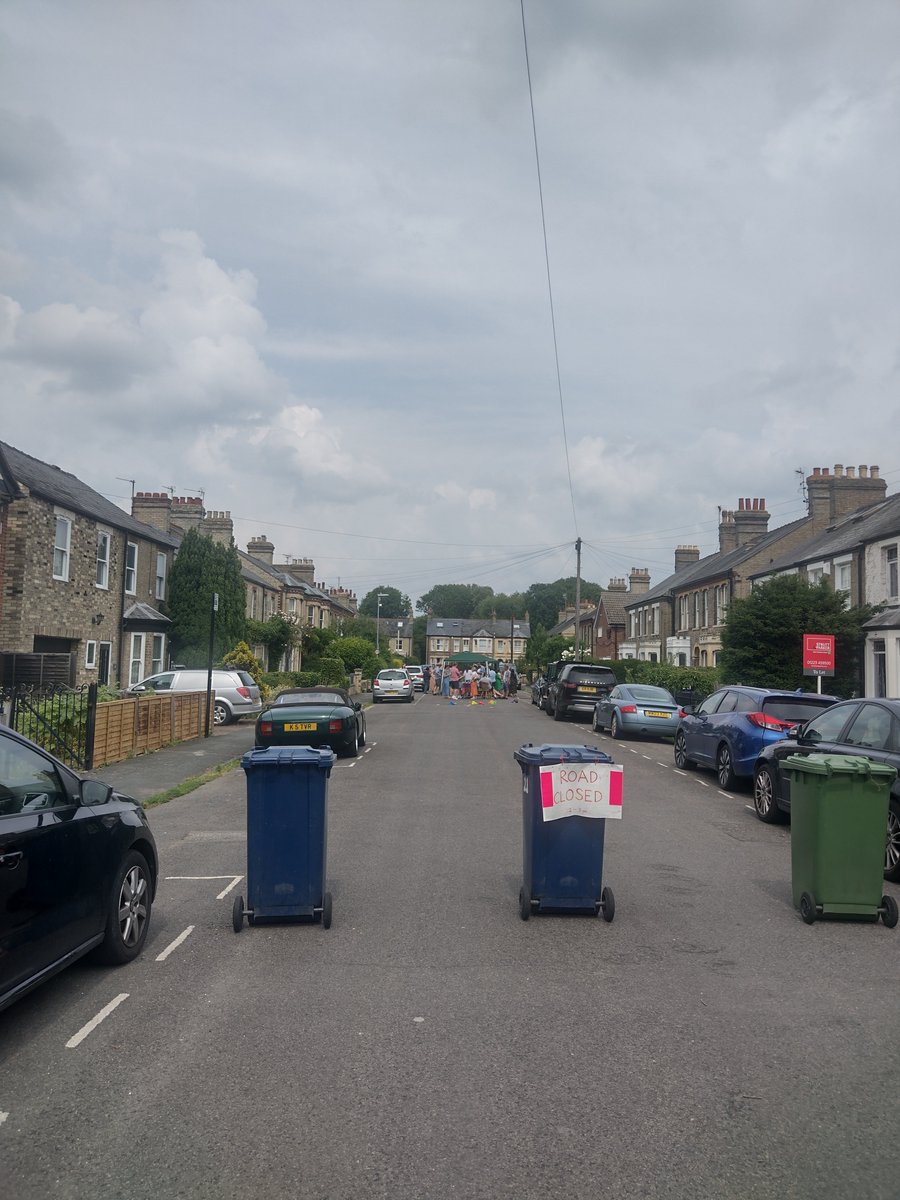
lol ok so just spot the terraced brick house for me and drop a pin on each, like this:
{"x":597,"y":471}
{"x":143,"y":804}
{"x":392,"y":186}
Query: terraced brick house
{"x":494,"y":638}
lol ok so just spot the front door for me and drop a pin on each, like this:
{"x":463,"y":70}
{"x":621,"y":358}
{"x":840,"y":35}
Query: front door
{"x":103,"y":663}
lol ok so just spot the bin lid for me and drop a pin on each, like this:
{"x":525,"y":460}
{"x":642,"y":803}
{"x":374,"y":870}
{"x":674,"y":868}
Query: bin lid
{"x":839,"y":764}
{"x":289,"y":756}
{"x":551,"y":752}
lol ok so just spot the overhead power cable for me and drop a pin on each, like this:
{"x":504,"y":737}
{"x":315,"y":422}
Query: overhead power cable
{"x":537,"y":161}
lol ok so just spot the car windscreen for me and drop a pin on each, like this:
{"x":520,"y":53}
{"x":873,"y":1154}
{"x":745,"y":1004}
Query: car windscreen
{"x":310,"y":698}
{"x":392,"y":675}
{"x":657,"y":695}
{"x":795,"y":709}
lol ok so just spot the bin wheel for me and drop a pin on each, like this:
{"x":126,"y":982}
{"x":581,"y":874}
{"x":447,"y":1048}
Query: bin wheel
{"x":607,"y":904}
{"x":237,"y":914}
{"x":889,"y":911}
{"x":524,"y":905}
{"x":808,"y":910}
{"x":326,"y":911}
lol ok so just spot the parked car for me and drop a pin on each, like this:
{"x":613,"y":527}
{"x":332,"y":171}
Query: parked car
{"x":78,"y":869}
{"x":417,"y":676}
{"x":576,"y":687}
{"x":236,"y":692}
{"x":314,"y":716}
{"x":730,"y":728}
{"x":637,"y":708}
{"x":392,"y":684}
{"x":870,"y":728}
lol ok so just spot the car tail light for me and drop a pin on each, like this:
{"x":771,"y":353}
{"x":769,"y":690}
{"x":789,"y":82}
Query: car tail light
{"x":243,"y":691}
{"x":766,"y":722}
{"x":629,"y":708}
{"x":376,"y":684}
{"x":334,"y":726}
{"x":265,"y":728}
{"x":682,"y":713}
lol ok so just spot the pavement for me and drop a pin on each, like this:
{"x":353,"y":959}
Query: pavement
{"x":147,"y":775}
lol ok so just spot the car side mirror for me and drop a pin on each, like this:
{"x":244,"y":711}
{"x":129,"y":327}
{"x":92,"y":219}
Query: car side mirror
{"x":688,"y":709}
{"x":94,"y":793}
{"x":357,"y":706}
{"x":137,"y":689}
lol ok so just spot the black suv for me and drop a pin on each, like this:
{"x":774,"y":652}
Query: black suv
{"x":575,"y":687}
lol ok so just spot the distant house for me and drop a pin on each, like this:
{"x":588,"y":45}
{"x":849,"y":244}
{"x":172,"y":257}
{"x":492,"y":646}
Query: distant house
{"x":494,"y":638}
{"x":82,"y":583}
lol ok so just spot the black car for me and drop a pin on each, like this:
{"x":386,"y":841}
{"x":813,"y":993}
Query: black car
{"x":576,"y":687}
{"x":78,"y":869}
{"x":870,"y":728}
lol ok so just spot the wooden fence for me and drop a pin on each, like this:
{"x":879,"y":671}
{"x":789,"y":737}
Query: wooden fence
{"x":142,"y":723}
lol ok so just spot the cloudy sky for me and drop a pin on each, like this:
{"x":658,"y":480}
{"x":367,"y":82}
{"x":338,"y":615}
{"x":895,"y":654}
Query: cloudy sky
{"x":290,"y":253}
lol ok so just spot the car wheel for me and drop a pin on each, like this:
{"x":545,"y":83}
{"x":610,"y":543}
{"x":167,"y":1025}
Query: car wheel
{"x":764,"y":803}
{"x":724,"y":768}
{"x":681,"y":755}
{"x":558,"y":711}
{"x":362,"y":737}
{"x":595,"y":724}
{"x":221,"y":713}
{"x":128,"y":918}
{"x":892,"y":849}
{"x":615,"y":730}
{"x":353,"y":748}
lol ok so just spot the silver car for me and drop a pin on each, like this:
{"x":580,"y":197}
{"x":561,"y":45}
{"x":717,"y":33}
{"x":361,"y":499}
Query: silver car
{"x":392,"y":684}
{"x":236,"y":692}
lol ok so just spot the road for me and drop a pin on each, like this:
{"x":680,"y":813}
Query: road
{"x":706,"y":1043}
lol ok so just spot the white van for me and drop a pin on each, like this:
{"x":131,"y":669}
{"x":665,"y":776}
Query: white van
{"x":236,"y":692}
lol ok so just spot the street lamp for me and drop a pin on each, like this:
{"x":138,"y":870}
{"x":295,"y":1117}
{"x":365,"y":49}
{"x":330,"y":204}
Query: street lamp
{"x":381,"y":596}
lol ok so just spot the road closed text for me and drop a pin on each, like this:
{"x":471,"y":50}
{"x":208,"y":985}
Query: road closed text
{"x":581,"y":790}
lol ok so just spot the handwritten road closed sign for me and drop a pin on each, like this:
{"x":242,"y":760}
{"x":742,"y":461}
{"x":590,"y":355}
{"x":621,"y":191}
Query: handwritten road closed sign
{"x":581,"y":790}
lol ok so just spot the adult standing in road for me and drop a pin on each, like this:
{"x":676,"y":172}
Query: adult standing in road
{"x":426,"y":679}
{"x":454,"y":680}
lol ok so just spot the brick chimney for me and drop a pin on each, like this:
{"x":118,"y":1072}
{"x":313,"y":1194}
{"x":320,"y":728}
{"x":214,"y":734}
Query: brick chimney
{"x":751,"y":520}
{"x":831,"y":496}
{"x":638,"y":581}
{"x":187,"y":513}
{"x":220,"y":527}
{"x":303,"y":569}
{"x":684,"y":555}
{"x":727,"y":531}
{"x":153,"y":508}
{"x":617,"y":585}
{"x":262,"y":549}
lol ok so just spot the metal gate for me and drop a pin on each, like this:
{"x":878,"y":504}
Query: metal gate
{"x":60,"y":719}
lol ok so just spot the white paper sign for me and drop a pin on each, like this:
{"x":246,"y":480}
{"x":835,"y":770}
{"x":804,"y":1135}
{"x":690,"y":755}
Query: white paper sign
{"x":581,"y":790}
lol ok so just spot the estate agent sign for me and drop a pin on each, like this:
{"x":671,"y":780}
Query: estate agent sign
{"x":818,"y":654}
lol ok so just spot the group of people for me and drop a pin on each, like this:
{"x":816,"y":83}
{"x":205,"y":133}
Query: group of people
{"x":475,"y":682}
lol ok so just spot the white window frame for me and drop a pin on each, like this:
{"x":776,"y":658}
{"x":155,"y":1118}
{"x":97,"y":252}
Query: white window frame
{"x":891,"y":572}
{"x":136,"y":659}
{"x":62,"y":546}
{"x":838,"y":567}
{"x":104,"y":544}
{"x":157,"y":653}
{"x":90,"y":656}
{"x":816,"y":572}
{"x":131,"y":568}
{"x":160,"y":589}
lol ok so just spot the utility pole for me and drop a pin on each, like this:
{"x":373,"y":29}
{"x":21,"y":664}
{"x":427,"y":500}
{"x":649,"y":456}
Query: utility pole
{"x":381,"y":596}
{"x":578,"y":599}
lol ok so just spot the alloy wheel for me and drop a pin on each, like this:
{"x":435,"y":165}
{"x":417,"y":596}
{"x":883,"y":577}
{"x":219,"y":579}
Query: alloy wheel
{"x":133,"y":910}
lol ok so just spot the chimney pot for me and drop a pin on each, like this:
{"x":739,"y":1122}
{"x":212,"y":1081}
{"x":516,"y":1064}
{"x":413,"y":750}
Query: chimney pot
{"x":863,"y":472}
{"x":873,"y":472}
{"x":839,"y":469}
{"x":740,"y":505}
{"x":851,"y":472}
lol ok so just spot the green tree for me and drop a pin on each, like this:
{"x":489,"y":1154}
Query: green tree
{"x":201,"y":568}
{"x":453,"y":599}
{"x":277,"y":635}
{"x":545,"y":601}
{"x":419,"y":639}
{"x":762,"y":642}
{"x":501,"y":604}
{"x":356,"y":653}
{"x":393,"y":603}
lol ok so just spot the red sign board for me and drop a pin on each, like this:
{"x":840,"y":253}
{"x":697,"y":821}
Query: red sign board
{"x":818,"y":654}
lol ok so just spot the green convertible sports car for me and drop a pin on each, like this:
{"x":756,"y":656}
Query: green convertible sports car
{"x":314,"y":716}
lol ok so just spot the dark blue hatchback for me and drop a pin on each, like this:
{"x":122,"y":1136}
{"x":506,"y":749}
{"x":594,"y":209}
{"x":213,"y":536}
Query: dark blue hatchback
{"x":730,"y":728}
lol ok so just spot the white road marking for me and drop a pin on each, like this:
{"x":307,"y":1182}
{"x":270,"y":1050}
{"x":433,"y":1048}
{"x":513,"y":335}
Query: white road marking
{"x":683,"y":774}
{"x":749,"y":808}
{"x":630,"y":751}
{"x":237,"y":879}
{"x":647,"y":756}
{"x":727,"y":795}
{"x":174,"y":945}
{"x":168,"y":877}
{"x":95,"y":1021}
{"x":664,"y":765}
{"x":3,"y":1117}
{"x":702,"y":784}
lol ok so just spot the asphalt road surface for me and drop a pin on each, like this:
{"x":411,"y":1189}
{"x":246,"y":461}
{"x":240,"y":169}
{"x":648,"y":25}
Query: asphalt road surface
{"x":706,"y":1043}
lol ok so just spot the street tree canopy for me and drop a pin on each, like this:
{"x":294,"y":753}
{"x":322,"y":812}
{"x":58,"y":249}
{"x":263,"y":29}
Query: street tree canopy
{"x":201,"y":568}
{"x":453,"y":599}
{"x":393,"y":603}
{"x":762,"y":642}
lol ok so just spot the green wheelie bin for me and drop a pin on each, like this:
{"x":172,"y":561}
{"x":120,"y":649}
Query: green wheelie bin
{"x":839,"y":812}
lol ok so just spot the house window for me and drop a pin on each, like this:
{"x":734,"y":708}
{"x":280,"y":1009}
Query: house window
{"x":890,"y":572}
{"x":398,"y":643}
{"x":90,"y":656}
{"x":160,"y":577}
{"x":102,"y":559}
{"x":156,"y":653}
{"x":482,"y":643}
{"x":131,"y":558}
{"x":880,"y":665}
{"x":705,"y":608}
{"x":815,"y":573}
{"x":61,"y":547}
{"x":321,"y":618}
{"x":136,"y":666}
{"x":843,"y":576}
{"x":253,"y":600}
{"x":292,"y":606}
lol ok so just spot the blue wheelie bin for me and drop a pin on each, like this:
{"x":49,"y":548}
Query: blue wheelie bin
{"x":287,"y":824}
{"x":568,"y":794}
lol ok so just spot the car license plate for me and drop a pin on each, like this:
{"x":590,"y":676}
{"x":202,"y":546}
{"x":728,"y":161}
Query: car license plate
{"x":299,"y":726}
{"x":648,"y":712}
{"x":591,"y":690}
